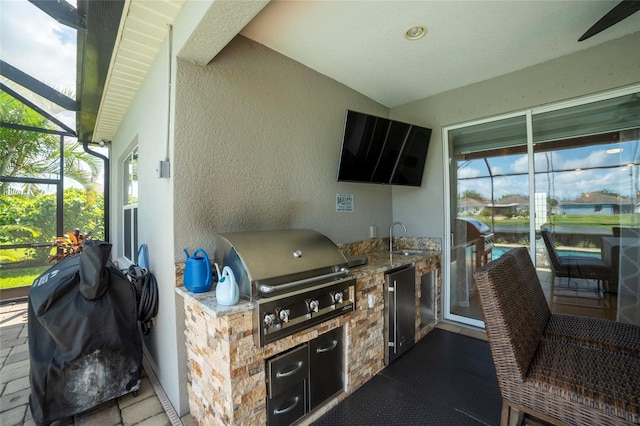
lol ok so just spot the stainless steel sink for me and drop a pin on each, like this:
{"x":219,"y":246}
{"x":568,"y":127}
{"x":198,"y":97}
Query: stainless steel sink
{"x":408,"y":252}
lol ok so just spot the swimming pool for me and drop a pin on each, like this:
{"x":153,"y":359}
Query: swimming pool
{"x":496,"y":252}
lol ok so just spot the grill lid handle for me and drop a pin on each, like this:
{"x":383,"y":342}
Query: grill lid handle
{"x":267,"y":289}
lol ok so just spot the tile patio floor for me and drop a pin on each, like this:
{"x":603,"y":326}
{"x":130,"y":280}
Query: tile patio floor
{"x":146,"y":408}
{"x":143,"y":409}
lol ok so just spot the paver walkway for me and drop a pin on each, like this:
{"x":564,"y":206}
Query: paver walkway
{"x":143,"y":409}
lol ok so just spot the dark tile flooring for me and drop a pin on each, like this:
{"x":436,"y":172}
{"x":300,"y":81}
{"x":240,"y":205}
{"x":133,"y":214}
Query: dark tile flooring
{"x":445,"y":379}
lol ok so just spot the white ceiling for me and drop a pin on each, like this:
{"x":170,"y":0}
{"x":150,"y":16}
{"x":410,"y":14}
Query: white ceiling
{"x":361,"y":43}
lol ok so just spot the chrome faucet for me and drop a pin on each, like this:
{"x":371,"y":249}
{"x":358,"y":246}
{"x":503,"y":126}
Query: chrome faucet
{"x":391,"y":234}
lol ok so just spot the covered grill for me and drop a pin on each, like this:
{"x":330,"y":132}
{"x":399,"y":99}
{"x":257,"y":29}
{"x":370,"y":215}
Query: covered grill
{"x":298,"y":278}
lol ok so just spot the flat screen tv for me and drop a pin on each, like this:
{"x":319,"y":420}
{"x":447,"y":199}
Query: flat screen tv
{"x":384,"y":151}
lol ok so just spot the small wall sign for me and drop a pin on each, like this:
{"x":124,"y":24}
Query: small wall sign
{"x":344,"y":203}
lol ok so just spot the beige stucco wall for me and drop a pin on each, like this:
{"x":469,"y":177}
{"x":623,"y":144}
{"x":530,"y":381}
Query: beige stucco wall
{"x":604,"y":67}
{"x":257,"y":145}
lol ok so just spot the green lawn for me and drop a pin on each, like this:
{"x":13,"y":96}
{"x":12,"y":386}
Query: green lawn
{"x":20,"y":277}
{"x":595,"y":221}
{"x":588,"y":221}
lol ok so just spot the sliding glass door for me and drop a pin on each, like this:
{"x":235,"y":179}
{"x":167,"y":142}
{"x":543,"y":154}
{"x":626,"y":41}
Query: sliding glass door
{"x":571,"y":169}
{"x":489,"y":203}
{"x":586,"y":172}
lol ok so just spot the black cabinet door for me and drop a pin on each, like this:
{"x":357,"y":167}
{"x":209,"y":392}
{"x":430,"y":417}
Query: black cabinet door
{"x":326,"y":369}
{"x":288,"y":406}
{"x":287,"y":370}
{"x":288,"y":376}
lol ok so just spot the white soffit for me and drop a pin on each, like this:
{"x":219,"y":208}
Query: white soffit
{"x":143,"y":28}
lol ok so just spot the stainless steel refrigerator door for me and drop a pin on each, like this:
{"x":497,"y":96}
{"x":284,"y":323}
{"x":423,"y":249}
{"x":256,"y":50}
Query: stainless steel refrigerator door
{"x":401,"y":312}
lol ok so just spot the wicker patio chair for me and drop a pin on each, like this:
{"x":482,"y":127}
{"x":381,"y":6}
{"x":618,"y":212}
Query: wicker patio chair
{"x":596,"y":332}
{"x":556,"y":380}
{"x":575,"y":266}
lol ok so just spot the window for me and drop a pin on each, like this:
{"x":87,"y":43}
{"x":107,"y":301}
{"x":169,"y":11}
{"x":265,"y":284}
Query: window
{"x":130,"y":206}
{"x":577,"y":166}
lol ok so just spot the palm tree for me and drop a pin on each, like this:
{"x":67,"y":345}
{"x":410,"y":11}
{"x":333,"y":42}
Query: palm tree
{"x":34,"y":154}
{"x":12,"y":231}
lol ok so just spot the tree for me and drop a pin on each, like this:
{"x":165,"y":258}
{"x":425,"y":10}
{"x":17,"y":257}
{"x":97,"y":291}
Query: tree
{"x":26,"y":211}
{"x":11,"y":232}
{"x":513,"y":196}
{"x":486,"y":212}
{"x":606,"y":191}
{"x":37,"y":155}
{"x":25,"y":217}
{"x":472,"y":193}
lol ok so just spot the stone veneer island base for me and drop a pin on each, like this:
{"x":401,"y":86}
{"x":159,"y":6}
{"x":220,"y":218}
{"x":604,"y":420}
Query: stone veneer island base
{"x":226,"y":370}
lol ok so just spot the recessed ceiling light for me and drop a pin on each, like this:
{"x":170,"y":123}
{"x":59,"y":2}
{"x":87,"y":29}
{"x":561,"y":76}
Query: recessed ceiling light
{"x":415,"y":33}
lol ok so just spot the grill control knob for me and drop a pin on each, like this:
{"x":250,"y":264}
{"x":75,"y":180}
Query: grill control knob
{"x":284,"y":315}
{"x":314,"y":305}
{"x":338,"y":297}
{"x":269,"y":319}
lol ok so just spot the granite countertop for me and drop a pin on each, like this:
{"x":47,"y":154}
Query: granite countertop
{"x":378,"y":262}
{"x":209,"y":303}
{"x":382,"y":261}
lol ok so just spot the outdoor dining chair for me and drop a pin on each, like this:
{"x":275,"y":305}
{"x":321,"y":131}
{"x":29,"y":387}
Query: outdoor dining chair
{"x":575,"y":266}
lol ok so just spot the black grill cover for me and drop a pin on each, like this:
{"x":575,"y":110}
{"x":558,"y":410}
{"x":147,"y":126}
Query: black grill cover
{"x":84,"y":343}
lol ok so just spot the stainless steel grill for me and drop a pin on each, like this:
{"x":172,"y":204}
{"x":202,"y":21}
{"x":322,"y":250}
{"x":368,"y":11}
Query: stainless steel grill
{"x":297,"y":277}
{"x":479,"y":233}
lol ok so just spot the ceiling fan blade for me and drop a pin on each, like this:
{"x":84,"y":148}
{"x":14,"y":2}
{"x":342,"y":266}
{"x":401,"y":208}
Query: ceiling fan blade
{"x":623,"y":10}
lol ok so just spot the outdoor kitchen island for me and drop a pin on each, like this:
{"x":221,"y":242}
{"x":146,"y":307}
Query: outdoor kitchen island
{"x":227,"y":370}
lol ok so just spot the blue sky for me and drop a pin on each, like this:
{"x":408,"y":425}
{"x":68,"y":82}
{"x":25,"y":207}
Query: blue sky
{"x":578,"y":178}
{"x":38,"y":45}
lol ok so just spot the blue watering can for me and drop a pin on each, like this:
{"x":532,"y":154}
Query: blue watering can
{"x":198,"y":276}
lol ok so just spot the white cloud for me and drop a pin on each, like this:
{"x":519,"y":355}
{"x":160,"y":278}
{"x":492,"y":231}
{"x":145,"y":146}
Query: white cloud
{"x":497,"y":170}
{"x":511,"y":185}
{"x":559,"y":185}
{"x":594,"y":159}
{"x":571,"y":184}
{"x":38,"y":45}
{"x":520,"y":165}
{"x":469,"y":172}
